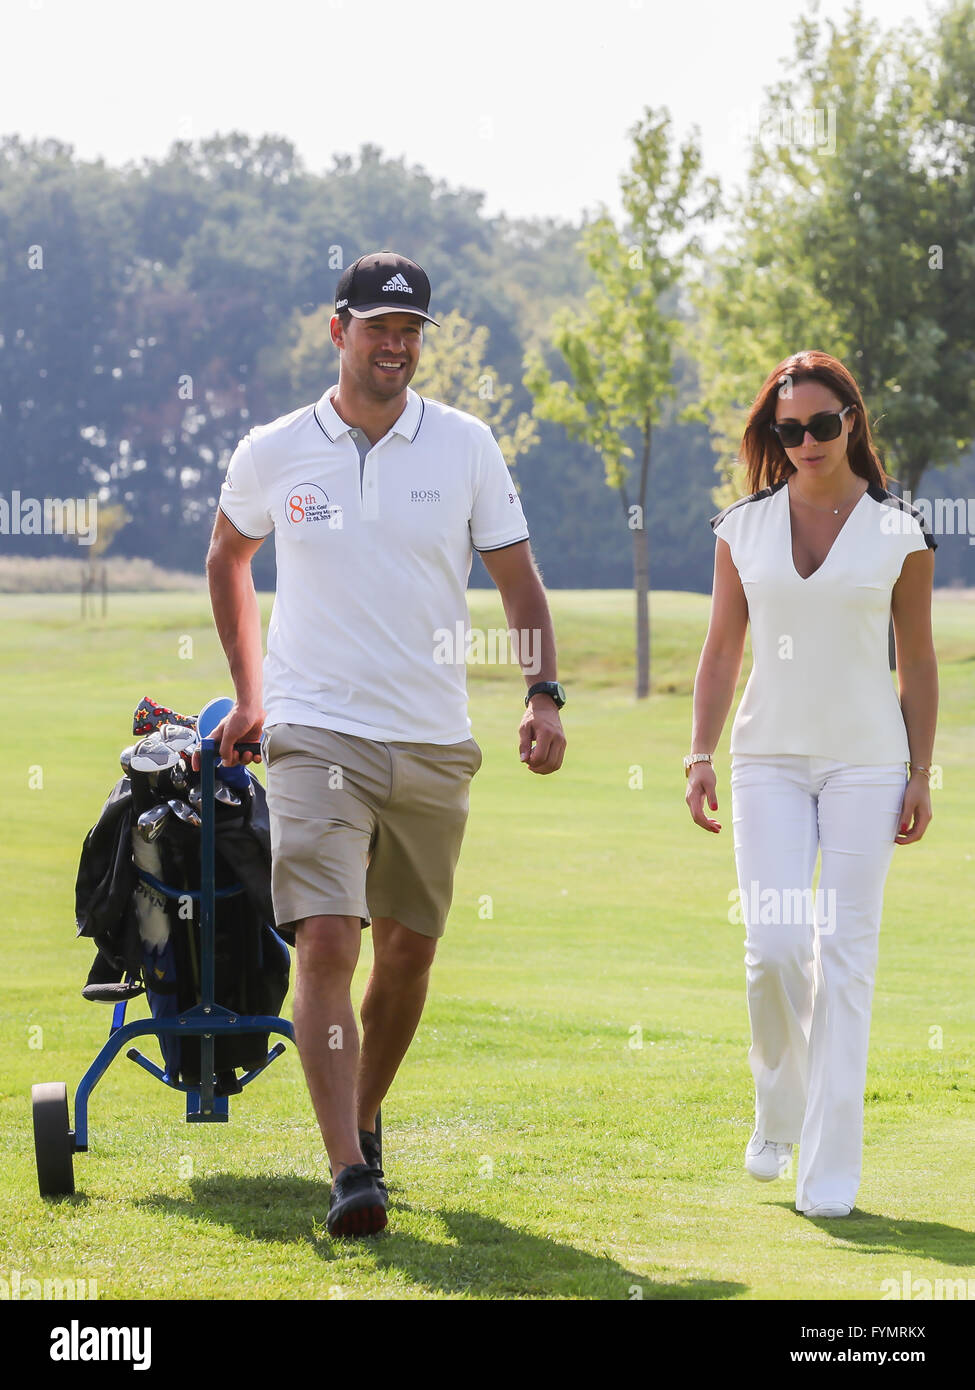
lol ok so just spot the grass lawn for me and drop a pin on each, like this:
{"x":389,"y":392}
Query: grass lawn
{"x":571,"y":1120}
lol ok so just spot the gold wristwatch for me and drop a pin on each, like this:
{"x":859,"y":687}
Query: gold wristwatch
{"x":693,"y":758}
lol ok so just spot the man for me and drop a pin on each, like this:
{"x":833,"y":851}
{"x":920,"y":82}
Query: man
{"x":376,"y":498}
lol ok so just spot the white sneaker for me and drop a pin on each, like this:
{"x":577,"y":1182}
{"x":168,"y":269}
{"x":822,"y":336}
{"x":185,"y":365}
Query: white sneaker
{"x":765,"y":1159}
{"x":829,"y":1209}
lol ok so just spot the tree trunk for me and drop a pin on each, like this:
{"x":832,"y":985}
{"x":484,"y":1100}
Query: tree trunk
{"x":641,"y":571}
{"x":641,"y":588}
{"x":913,"y":473}
{"x":636,"y":520}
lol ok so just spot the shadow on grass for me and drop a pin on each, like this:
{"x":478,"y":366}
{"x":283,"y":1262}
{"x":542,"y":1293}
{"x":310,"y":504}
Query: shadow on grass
{"x":871,"y":1233}
{"x":487,"y":1258}
{"x":481,"y":1257}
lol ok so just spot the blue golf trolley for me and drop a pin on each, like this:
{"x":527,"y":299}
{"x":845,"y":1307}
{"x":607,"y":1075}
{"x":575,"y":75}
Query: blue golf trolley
{"x":55,"y":1141}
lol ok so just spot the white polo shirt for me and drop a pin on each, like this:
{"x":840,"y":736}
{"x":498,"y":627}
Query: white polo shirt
{"x":820,"y":683}
{"x":372,"y":563}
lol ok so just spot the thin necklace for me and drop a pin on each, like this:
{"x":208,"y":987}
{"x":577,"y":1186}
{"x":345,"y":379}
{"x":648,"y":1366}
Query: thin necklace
{"x":834,"y":510}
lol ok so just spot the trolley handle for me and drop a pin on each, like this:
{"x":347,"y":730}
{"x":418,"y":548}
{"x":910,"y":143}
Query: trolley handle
{"x":208,"y":757}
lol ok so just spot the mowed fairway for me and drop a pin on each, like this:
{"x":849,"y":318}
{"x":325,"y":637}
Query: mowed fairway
{"x":571,"y":1120}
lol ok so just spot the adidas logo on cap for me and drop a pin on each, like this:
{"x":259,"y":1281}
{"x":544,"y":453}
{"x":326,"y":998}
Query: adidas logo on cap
{"x":398,"y":284}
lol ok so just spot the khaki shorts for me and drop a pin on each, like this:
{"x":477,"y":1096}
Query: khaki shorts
{"x":365,"y":829}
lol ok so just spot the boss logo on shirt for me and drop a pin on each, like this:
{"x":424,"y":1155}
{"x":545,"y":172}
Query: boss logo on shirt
{"x":422,"y":495}
{"x":308,"y":504}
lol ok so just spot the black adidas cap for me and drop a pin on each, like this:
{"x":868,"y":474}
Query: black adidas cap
{"x":380,"y":282}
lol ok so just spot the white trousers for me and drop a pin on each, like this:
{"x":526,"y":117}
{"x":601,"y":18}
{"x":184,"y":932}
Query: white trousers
{"x":810,"y":958}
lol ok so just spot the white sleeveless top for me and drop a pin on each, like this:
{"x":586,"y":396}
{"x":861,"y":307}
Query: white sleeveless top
{"x":820,"y":683}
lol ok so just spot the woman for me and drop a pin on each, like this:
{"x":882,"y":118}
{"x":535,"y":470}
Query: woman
{"x":817,"y":558}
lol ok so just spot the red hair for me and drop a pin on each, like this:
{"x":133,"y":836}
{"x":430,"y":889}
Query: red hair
{"x":761,"y":450}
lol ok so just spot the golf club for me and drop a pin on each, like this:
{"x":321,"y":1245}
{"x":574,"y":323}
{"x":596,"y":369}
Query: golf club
{"x":153,"y":755}
{"x":150,"y":823}
{"x":178,"y":736}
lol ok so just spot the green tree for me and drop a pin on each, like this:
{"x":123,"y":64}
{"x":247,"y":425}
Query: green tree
{"x":452,"y":369}
{"x":618,"y":348}
{"x":855,"y":234}
{"x":111,"y":520}
{"x":64,"y":259}
{"x":312,"y":359}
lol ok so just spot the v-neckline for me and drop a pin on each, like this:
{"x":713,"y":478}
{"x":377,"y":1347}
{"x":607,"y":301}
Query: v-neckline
{"x":804,"y":579}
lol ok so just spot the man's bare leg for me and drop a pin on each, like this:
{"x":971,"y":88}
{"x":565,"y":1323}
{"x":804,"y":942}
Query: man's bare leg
{"x":391,"y":1009}
{"x":327,"y":950}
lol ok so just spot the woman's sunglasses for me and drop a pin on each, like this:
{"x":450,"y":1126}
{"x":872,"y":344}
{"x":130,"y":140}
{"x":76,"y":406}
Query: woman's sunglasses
{"x":823,"y":427}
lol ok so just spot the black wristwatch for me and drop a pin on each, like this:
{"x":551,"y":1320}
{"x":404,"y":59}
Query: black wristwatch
{"x":552,"y":688}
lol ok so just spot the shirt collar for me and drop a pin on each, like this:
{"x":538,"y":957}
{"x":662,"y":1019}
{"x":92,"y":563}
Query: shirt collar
{"x":333,"y":425}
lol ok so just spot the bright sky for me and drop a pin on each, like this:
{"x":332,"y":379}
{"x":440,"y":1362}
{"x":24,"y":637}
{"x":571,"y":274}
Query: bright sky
{"x":528,"y":101}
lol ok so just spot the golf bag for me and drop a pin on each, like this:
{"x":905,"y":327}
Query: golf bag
{"x":140,"y":902}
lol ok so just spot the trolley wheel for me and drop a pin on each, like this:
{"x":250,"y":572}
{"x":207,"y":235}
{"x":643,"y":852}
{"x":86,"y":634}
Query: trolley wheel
{"x":53,"y":1144}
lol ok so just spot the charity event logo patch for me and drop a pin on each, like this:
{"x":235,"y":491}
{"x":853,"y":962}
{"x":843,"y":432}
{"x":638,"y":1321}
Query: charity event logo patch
{"x":308,"y":504}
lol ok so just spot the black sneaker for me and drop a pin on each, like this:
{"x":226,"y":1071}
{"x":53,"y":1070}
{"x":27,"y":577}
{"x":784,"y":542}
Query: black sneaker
{"x":357,"y":1206}
{"x":372,"y":1151}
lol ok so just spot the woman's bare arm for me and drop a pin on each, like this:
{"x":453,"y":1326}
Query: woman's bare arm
{"x":716,"y":679}
{"x":917,"y":675}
